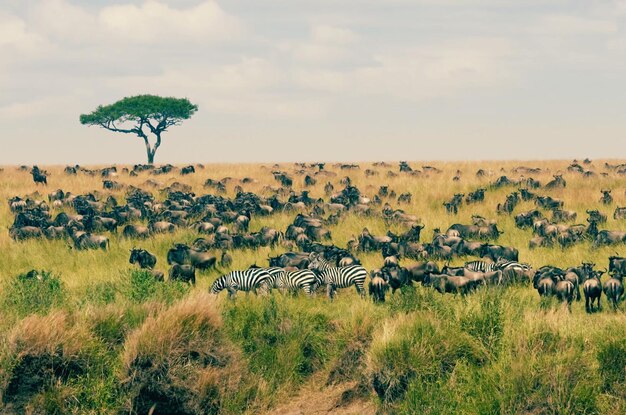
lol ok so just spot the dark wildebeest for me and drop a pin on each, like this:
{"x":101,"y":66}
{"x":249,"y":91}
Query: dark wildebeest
{"x":592,"y":288}
{"x":182,"y":254}
{"x":609,"y":238}
{"x":614,"y":289}
{"x":136,"y":231}
{"x":39,"y":176}
{"x":395,"y":276}
{"x":596,"y":216}
{"x":617,"y":265}
{"x":185,"y":273}
{"x":606,"y":198}
{"x":83,"y":240}
{"x":496,"y":252}
{"x":564,"y":291}
{"x":187,"y":170}
{"x":377,"y":286}
{"x":142,"y":257}
{"x":226,"y":260}
{"x":557,"y":182}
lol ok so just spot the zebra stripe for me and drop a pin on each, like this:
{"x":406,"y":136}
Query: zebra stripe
{"x":339,"y":277}
{"x":295,"y":280}
{"x":247,"y":280}
{"x":503,"y":264}
{"x":481,"y":266}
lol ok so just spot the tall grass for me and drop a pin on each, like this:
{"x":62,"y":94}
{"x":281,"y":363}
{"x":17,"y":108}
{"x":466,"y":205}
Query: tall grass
{"x":94,"y":335}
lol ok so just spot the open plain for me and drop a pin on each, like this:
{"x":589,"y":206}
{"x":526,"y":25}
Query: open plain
{"x":89,"y":332}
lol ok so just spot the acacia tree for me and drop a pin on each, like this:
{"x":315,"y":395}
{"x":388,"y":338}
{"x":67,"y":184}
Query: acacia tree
{"x":142,"y":115}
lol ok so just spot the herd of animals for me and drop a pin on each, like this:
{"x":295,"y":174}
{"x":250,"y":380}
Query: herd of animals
{"x":311,"y":262}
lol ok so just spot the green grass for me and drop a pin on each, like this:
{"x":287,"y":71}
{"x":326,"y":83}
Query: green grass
{"x":94,"y":335}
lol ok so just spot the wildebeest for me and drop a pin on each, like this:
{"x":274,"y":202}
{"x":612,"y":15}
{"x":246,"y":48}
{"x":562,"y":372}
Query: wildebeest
{"x":557,"y":182}
{"x":226,"y":260}
{"x":614,"y":289}
{"x":564,"y":291}
{"x":497,"y":251}
{"x":182,"y":254}
{"x":449,"y":284}
{"x":605,"y":237}
{"x":617,"y":265}
{"x":142,"y":257}
{"x":606,"y":198}
{"x":84,"y":240}
{"x":620,"y":213}
{"x":39,"y":176}
{"x":136,"y":231}
{"x":597,"y":217}
{"x":187,"y":170}
{"x":592,"y":288}
{"x":377,"y":287}
{"x":185,"y":273}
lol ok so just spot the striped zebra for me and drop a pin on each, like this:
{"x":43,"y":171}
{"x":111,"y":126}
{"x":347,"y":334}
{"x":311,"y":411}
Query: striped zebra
{"x":504,"y":264}
{"x":247,"y":280}
{"x":293,"y":281}
{"x":481,"y":266}
{"x":338,"y":277}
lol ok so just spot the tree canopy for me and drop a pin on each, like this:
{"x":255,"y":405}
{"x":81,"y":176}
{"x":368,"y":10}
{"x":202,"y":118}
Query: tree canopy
{"x":142,"y":115}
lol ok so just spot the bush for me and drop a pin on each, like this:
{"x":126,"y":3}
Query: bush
{"x":33,"y":292}
{"x":611,"y":357}
{"x":142,"y":286}
{"x":417,"y":352}
{"x":45,"y":353}
{"x":180,"y":361}
{"x":284,"y":343}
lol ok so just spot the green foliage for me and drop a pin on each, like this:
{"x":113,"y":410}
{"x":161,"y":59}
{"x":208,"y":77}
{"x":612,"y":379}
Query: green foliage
{"x":485,"y":323}
{"x":611,"y":357}
{"x":142,"y":286}
{"x":292,"y":340}
{"x":36,"y":292}
{"x":167,"y":111}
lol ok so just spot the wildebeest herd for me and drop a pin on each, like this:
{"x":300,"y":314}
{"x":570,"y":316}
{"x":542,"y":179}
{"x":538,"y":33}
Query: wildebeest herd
{"x":310,"y":260}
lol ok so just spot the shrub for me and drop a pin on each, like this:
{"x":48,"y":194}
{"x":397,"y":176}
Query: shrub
{"x":180,"y":361}
{"x":45,"y":352}
{"x":284,"y":343}
{"x":417,"y":351}
{"x":142,"y":286}
{"x":611,"y":357}
{"x":33,"y":292}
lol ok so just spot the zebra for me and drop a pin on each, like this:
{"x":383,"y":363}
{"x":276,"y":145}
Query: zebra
{"x":294,"y":280}
{"x":481,"y":266}
{"x":504,"y":264}
{"x":247,"y":280}
{"x":338,"y":277}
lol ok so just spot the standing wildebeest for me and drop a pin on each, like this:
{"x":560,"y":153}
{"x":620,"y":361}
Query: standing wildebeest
{"x":564,"y":291}
{"x":614,"y":289}
{"x":378,"y":286}
{"x":617,"y":264}
{"x":136,"y":231}
{"x":185,"y":273}
{"x":496,"y":252}
{"x":142,"y":257}
{"x":39,"y":176}
{"x":597,"y":217}
{"x":592,"y":287}
{"x":83,"y":240}
{"x":183,"y":254}
{"x":606,"y":198}
{"x":609,"y":237}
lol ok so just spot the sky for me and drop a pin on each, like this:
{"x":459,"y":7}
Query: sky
{"x":335,"y":80}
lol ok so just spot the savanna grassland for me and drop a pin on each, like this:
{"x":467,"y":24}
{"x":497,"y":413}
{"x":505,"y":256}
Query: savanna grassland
{"x":96,"y":337}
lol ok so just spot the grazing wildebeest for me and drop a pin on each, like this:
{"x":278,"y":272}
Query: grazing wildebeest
{"x":226,"y":260}
{"x":185,"y":273}
{"x":83,"y":240}
{"x":605,"y":237}
{"x":136,"y":231}
{"x":142,"y":257}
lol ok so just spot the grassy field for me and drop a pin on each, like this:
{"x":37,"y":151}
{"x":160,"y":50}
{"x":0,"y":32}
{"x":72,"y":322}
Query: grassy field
{"x":95,"y":337}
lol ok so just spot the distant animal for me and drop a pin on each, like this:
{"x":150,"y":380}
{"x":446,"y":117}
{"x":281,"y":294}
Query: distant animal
{"x":39,"y":176}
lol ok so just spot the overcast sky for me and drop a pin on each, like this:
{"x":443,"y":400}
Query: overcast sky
{"x":290,"y":80}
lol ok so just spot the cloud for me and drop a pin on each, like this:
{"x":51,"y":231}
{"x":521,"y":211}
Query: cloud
{"x":155,"y":21}
{"x":327,"y":44}
{"x":568,"y":25}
